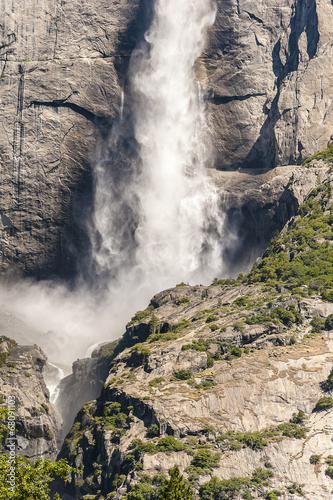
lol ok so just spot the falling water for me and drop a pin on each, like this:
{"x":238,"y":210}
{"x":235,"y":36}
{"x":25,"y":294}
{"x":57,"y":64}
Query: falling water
{"x":156,"y":219}
{"x":161,"y":223}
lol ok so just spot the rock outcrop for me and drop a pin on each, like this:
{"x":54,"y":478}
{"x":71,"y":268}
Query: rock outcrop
{"x":269,"y":83}
{"x":197,"y":372}
{"x":38,"y":423}
{"x":63,"y":70}
{"x":86,"y":382}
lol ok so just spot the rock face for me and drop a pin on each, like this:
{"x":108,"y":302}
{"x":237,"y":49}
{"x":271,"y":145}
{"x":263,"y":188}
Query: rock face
{"x":269,"y":82}
{"x":64,"y":66}
{"x":86,"y":382}
{"x":183,"y":380}
{"x":239,"y":373}
{"x":38,"y":424}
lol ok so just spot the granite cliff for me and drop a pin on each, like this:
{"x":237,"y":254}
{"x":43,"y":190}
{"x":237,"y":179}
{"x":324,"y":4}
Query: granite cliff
{"x":265,"y":73}
{"x":38,"y":423}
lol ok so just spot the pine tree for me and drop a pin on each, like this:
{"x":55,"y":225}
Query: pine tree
{"x":176,"y":488}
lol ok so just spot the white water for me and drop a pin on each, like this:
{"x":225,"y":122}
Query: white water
{"x":156,"y":218}
{"x":172,"y":208}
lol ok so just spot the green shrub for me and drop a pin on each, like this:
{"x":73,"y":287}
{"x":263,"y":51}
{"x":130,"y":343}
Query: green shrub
{"x":140,"y":348}
{"x":200,"y":345}
{"x":153,"y":430}
{"x":326,"y":155}
{"x":329,"y":460}
{"x":272,"y":495}
{"x":329,"y":472}
{"x":324,"y":403}
{"x":315,"y":459}
{"x":225,"y":489}
{"x":183,"y":300}
{"x":205,"y":460}
{"x":156,"y":381}
{"x":298,"y":418}
{"x":295,"y":488}
{"x":139,"y":315}
{"x":329,"y":322}
{"x":169,"y":444}
{"x":211,"y":318}
{"x":213,"y":327}
{"x":318,"y":324}
{"x":182,"y":375}
{"x":176,"y":487}
{"x":238,"y":326}
{"x":210,"y":361}
{"x":241,"y":301}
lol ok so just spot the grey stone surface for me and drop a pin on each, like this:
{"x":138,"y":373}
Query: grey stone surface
{"x":63,"y":65}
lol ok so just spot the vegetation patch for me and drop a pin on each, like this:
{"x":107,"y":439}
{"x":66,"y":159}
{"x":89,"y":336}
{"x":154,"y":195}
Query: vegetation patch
{"x":235,"y":441}
{"x":323,"y":404}
{"x":302,"y":257}
{"x":227,"y":489}
{"x":326,"y":156}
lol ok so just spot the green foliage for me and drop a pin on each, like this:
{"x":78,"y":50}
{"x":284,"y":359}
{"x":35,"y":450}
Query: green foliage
{"x":225,"y":489}
{"x":148,"y":488}
{"x":272,"y":495}
{"x":238,"y":326}
{"x":170,"y":444}
{"x":324,"y":403}
{"x":201,"y":345}
{"x":327,"y":385}
{"x":329,"y":472}
{"x":260,"y":476}
{"x":241,"y":301}
{"x":140,"y":348}
{"x":237,"y":440}
{"x":228,"y":489}
{"x":183,"y":300}
{"x":156,"y":381}
{"x":211,"y":318}
{"x":295,"y":488}
{"x":329,"y":322}
{"x":329,"y":460}
{"x":276,"y":315}
{"x":326,"y":155}
{"x":205,"y":384}
{"x":315,"y":459}
{"x":31,"y":479}
{"x":302,"y":257}
{"x":184,"y":323}
{"x":166,"y":445}
{"x":140,"y":315}
{"x":234,"y":352}
{"x":294,"y":431}
{"x":210,"y":361}
{"x":318,"y":324}
{"x":176,"y":488}
{"x":3,"y":359}
{"x":182,"y":375}
{"x":204,"y":461}
{"x":153,"y":430}
{"x":298,"y":418}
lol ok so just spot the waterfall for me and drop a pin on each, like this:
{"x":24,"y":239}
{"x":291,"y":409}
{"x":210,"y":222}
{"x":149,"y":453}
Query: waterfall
{"x":156,"y":219}
{"x":160,"y":223}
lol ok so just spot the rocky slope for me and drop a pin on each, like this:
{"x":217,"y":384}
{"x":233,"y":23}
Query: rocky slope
{"x":227,"y":381}
{"x":38,"y":423}
{"x":64,"y":67}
